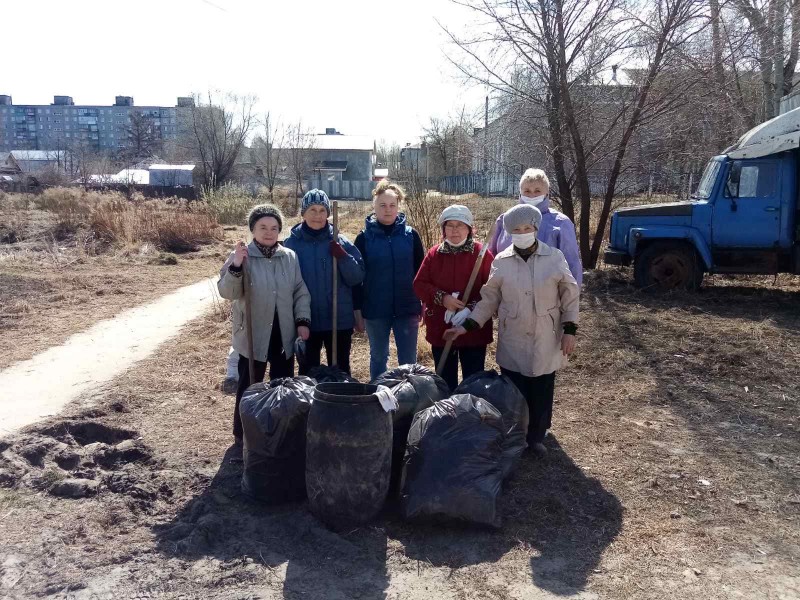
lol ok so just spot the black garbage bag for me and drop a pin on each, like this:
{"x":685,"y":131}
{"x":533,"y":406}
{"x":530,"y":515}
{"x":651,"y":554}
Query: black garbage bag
{"x":416,"y":388}
{"x":274,"y":417}
{"x":330,"y":374}
{"x":501,"y":393}
{"x":453,"y":465}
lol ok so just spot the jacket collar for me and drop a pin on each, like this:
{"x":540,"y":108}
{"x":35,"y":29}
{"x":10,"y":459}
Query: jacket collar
{"x":543,"y":206}
{"x":371,"y":223}
{"x":301,"y":234}
{"x":252,"y":250}
{"x":541,"y":250}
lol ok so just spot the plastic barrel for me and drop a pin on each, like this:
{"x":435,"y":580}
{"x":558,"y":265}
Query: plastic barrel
{"x":348,"y":454}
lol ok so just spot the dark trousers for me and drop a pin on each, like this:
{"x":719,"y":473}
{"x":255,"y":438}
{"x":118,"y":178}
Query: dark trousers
{"x":538,"y":392}
{"x":279,"y":366}
{"x":318,"y":339}
{"x":473,"y":359}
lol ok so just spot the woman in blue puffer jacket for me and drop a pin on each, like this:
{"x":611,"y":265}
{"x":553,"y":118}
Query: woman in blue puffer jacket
{"x":312,"y":241}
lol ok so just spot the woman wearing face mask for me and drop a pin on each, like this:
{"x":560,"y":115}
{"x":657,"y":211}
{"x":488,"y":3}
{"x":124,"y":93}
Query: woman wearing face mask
{"x":556,"y":230}
{"x":536,"y":298}
{"x":280,"y":302}
{"x":393,"y":253}
{"x":442,"y":277}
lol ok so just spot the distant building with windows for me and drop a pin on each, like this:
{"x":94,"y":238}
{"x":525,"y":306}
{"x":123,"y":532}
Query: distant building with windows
{"x":62,"y":124}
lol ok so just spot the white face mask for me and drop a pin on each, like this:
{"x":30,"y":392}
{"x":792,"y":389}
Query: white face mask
{"x":523,"y":240}
{"x":458,"y":245}
{"x":532,"y":201}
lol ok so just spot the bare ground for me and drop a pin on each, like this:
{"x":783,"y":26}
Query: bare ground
{"x":673,"y":472}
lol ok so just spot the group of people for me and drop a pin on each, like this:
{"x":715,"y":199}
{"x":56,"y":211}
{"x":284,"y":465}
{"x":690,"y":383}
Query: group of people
{"x":530,"y":277}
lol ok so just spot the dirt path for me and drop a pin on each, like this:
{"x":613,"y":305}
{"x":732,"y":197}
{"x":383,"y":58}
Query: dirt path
{"x":42,"y":386}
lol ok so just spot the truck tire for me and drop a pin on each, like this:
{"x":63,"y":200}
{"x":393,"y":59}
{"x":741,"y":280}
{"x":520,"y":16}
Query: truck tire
{"x":664,"y":266}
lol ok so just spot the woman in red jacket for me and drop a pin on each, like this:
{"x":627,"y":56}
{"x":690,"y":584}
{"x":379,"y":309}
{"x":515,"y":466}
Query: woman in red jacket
{"x":441,"y":281}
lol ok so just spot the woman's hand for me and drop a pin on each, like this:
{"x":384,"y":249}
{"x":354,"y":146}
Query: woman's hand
{"x":453,"y":333}
{"x":452,"y":303}
{"x":303,"y":332}
{"x":567,"y":344}
{"x":360,"y":326}
{"x":239,"y":254}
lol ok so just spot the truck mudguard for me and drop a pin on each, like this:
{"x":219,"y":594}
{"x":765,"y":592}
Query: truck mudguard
{"x":636,"y":235}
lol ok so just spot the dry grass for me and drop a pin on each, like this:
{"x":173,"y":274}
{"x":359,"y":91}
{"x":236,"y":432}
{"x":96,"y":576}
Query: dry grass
{"x":114,"y":258}
{"x":181,"y":228}
{"x":653,"y":403}
{"x":231,"y":203}
{"x":99,"y":221}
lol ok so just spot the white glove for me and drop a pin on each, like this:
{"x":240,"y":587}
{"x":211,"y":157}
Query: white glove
{"x":448,"y":314}
{"x":461,"y":316}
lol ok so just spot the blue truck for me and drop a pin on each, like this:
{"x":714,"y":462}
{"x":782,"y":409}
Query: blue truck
{"x":744,"y":216}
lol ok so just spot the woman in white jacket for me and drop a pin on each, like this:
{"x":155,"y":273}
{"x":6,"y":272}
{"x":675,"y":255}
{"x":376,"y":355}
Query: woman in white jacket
{"x":281,"y":304}
{"x":536,"y":299}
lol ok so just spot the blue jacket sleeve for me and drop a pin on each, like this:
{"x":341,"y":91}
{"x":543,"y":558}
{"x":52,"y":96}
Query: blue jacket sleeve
{"x":358,"y":290}
{"x":568,"y":244}
{"x":351,"y":268}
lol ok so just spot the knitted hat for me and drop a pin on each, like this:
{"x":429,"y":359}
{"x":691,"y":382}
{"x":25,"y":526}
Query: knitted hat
{"x":264,"y":210}
{"x":315,"y":196}
{"x":521,"y":214}
{"x":456,"y":212}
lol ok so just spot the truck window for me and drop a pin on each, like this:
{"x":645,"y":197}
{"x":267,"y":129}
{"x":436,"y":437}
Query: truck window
{"x":751,"y":180}
{"x":707,"y":180}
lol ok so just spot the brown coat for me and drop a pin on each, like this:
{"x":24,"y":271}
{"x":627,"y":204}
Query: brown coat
{"x":532,"y":299}
{"x":275,"y":281}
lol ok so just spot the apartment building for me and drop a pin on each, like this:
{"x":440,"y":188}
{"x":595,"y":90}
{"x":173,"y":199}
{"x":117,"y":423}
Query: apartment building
{"x":63,"y":124}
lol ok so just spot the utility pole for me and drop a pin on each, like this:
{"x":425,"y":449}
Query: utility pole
{"x":486,"y":146}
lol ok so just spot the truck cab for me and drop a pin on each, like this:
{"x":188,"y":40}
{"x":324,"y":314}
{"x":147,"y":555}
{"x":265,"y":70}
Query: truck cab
{"x":743,"y":217}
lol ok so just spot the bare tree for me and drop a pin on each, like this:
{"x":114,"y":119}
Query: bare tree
{"x":777,"y":52}
{"x":300,"y":143}
{"x":388,"y":155}
{"x":91,"y":166}
{"x":269,"y":150}
{"x":561,"y":58}
{"x":143,"y":140}
{"x":449,"y":140}
{"x":215,"y":132}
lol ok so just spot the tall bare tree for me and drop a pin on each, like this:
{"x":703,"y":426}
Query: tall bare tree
{"x":300,"y":142}
{"x":777,"y":53}
{"x":449,"y":140}
{"x":269,"y":150}
{"x":215,"y":131}
{"x":561,"y":58}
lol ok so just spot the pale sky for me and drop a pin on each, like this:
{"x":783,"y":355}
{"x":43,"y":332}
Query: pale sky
{"x":367,"y":67}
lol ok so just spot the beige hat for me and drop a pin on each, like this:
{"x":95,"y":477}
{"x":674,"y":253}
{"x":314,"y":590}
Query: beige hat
{"x":456,"y":212}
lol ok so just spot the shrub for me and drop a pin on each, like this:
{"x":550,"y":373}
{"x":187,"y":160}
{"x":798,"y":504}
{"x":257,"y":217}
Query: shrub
{"x":230,"y":203}
{"x":169,"y":228}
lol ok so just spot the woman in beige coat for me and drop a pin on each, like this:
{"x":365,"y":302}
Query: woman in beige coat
{"x":281,"y":304}
{"x":536,"y":299}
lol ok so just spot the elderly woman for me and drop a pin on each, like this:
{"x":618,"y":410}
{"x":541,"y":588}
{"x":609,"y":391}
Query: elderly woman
{"x":393,"y":253}
{"x":280,"y":302}
{"x":441,"y":280}
{"x":556,"y":230}
{"x":312,"y":241}
{"x":536,"y":298}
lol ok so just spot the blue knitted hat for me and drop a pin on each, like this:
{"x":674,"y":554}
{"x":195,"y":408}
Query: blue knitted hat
{"x":315,"y":196}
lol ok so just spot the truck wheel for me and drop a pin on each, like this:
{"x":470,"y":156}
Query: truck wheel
{"x":666,"y":266}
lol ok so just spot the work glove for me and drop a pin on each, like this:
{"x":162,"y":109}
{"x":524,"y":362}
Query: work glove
{"x":448,"y":314}
{"x":461,"y":316}
{"x":336,"y":250}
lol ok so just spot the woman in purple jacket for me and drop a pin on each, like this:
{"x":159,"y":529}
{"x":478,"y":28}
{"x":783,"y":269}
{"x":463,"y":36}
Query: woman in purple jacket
{"x":556,"y":229}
